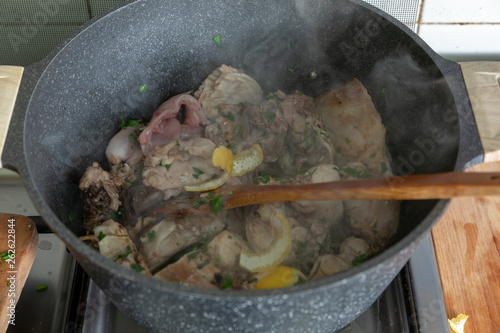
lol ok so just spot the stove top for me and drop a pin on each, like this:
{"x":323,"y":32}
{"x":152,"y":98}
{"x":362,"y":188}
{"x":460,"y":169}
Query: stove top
{"x":412,"y":303}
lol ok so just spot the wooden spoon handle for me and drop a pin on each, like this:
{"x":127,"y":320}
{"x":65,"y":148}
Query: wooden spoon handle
{"x":430,"y":186}
{"x":414,"y":187}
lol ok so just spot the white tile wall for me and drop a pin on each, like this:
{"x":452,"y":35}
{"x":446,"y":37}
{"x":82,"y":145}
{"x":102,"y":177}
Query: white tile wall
{"x":462,"y":29}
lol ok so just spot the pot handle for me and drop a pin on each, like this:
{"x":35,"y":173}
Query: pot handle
{"x":482,"y":80}
{"x":10,"y":80}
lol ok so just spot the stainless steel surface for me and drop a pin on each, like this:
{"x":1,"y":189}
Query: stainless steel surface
{"x":45,"y":311}
{"x":426,"y":286}
{"x":387,"y":315}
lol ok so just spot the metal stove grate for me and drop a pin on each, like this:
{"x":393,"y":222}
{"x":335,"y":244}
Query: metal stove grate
{"x":405,"y":11}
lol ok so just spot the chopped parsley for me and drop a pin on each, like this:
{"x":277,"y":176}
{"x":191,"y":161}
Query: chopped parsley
{"x":127,"y":122}
{"x":229,"y":115}
{"x":383,"y":91}
{"x":124,"y":255}
{"x":217,"y":39}
{"x":357,"y":173}
{"x":41,"y":287}
{"x":6,"y":255}
{"x":359,"y":259}
{"x":167,"y":166}
{"x":262,"y":179}
{"x":143,"y":88}
{"x":270,"y":115}
{"x":198,"y":172}
{"x":137,"y":268}
{"x":227,"y":282}
{"x":101,"y":236}
{"x":151,"y":236}
{"x":383,"y":167}
{"x":133,"y":139}
{"x":300,"y":247}
{"x":117,"y":214}
{"x":200,"y":201}
{"x":217,"y":204}
{"x":70,"y":218}
{"x":347,"y":140}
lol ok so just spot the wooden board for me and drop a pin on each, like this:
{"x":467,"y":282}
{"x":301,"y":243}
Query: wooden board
{"x":467,"y":245}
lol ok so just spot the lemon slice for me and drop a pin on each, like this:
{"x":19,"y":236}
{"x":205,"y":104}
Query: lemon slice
{"x":237,"y":165}
{"x":275,"y":254}
{"x":247,"y":160}
{"x":221,"y":157}
{"x":280,"y":277}
{"x":457,"y":323}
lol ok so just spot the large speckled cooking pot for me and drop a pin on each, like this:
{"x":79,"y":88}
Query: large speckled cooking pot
{"x":70,"y":104}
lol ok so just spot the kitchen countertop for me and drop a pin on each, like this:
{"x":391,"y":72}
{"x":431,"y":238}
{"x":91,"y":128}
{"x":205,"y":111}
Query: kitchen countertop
{"x":467,"y":246}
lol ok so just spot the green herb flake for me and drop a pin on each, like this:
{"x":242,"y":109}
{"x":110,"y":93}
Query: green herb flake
{"x":200,"y":201}
{"x":6,"y":255}
{"x":270,"y":115}
{"x":300,"y":247}
{"x":252,"y":280}
{"x":198,"y":172}
{"x":117,"y":214}
{"x":167,"y":166}
{"x":383,"y":167}
{"x":101,"y":236}
{"x":347,"y":140}
{"x":373,"y":155}
{"x":137,"y":268}
{"x":127,"y":122}
{"x":203,"y":264}
{"x":151,"y":236}
{"x":70,"y":218}
{"x":217,"y":204}
{"x":291,"y":70}
{"x":263,"y":179}
{"x":268,"y":83}
{"x":357,"y":173}
{"x":227,"y":282}
{"x":143,"y":88}
{"x":217,"y":39}
{"x":124,"y":255}
{"x":41,"y":287}
{"x":133,"y":139}
{"x":359,"y":259}
{"x":229,"y":115}
{"x":383,"y":91}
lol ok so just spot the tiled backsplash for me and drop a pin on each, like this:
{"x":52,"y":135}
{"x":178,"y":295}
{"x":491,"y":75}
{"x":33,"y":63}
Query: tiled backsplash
{"x":462,"y":29}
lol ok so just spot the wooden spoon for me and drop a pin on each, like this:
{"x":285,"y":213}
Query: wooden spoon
{"x":413,"y":187}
